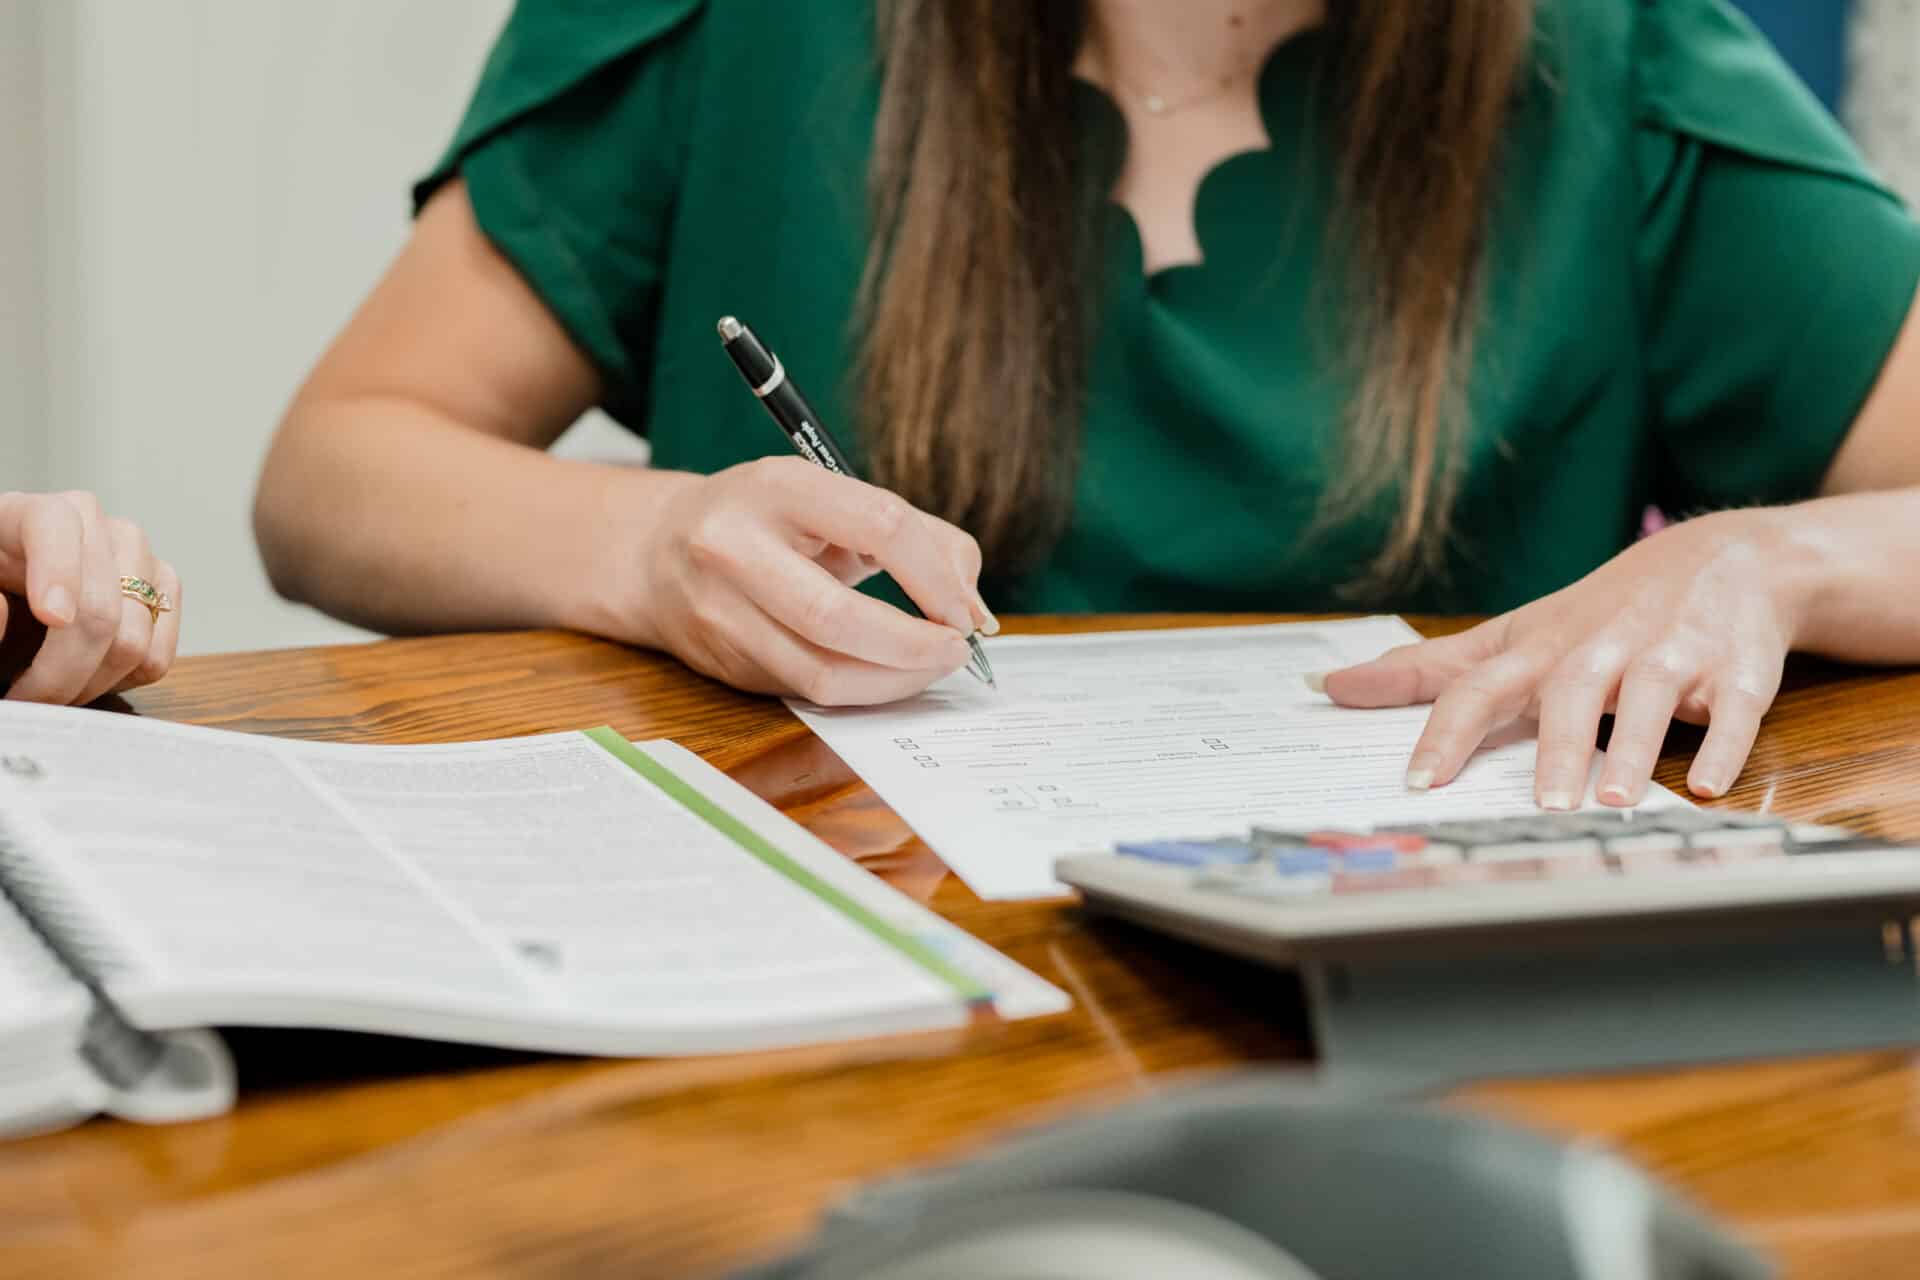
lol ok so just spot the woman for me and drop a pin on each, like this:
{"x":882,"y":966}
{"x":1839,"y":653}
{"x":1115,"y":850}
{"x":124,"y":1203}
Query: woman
{"x":101,"y":607}
{"x":1234,"y":304}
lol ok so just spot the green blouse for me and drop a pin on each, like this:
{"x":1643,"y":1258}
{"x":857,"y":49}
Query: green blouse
{"x":1693,"y":281}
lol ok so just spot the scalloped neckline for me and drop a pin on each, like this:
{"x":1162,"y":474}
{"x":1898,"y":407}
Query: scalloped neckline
{"x":1276,"y":74}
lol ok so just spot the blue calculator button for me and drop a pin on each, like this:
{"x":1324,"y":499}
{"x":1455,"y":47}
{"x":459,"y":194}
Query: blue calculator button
{"x":1302,"y":861}
{"x":1188,"y":853}
{"x":1370,"y":859}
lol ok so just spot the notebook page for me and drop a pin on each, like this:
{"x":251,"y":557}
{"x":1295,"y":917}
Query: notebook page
{"x":532,"y":892}
{"x":1013,"y":990}
{"x":1134,"y":735}
{"x":202,"y":859}
{"x":623,"y":905}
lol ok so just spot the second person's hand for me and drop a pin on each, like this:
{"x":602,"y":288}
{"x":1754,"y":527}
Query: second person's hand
{"x":748,"y":576}
{"x":65,"y":560}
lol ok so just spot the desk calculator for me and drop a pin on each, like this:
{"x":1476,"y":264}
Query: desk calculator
{"x":1269,"y":890}
{"x":1553,"y":942}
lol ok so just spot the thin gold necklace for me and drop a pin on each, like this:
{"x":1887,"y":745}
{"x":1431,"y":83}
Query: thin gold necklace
{"x":1160,"y":106}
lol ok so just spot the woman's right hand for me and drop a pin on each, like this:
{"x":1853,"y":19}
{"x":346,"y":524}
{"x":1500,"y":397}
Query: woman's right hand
{"x":748,"y":576}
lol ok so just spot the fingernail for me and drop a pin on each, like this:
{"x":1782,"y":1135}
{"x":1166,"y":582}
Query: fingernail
{"x":1615,"y":793}
{"x":989,"y":625}
{"x":1558,"y":801}
{"x":1709,"y":788}
{"x":1420,"y":778}
{"x":59,"y":604}
{"x":1316,"y":682}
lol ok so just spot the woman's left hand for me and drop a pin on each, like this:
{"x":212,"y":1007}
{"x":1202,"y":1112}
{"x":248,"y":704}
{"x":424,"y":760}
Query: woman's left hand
{"x":1693,"y":623}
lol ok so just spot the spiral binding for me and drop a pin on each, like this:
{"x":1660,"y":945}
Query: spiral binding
{"x":120,"y":1052}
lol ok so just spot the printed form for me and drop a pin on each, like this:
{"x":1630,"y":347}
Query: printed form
{"x":1114,"y":736}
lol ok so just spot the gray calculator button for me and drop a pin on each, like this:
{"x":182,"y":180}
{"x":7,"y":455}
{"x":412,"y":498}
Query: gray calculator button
{"x":1519,"y":849}
{"x":1436,"y":854}
{"x":1647,"y":842}
{"x":1684,"y":821}
{"x":1529,"y":829}
{"x":1477,"y":831}
{"x":1813,"y":833}
{"x":1583,"y":826}
{"x":1752,"y":821}
{"x":1603,"y":823}
{"x":1577,"y":847}
{"x":1743,"y":837}
{"x":1513,"y":851}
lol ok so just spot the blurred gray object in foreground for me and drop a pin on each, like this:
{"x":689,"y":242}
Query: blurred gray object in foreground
{"x":1261,"y":1179}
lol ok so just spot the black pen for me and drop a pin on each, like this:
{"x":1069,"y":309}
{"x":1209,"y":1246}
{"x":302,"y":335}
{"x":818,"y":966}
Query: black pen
{"x":795,"y":417}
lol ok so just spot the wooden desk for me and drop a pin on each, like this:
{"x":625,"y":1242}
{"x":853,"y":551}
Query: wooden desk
{"x":345,"y":1158}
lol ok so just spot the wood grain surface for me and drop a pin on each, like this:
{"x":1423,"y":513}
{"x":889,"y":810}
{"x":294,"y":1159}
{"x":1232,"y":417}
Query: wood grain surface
{"x":349,"y":1156}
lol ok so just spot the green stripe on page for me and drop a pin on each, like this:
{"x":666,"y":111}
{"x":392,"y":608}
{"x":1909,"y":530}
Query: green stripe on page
{"x":697,"y":803}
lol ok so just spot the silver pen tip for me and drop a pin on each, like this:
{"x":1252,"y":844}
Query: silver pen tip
{"x":730,"y":329}
{"x":979,"y":665}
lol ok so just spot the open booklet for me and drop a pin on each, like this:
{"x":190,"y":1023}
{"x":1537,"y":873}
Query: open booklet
{"x":571,"y":893}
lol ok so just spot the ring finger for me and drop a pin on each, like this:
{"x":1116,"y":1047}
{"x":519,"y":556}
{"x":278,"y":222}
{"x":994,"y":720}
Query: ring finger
{"x":166,"y":632}
{"x":133,"y":558}
{"x":1649,"y":696}
{"x":1738,"y":708}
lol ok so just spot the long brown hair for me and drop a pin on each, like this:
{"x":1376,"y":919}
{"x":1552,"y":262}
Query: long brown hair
{"x":975,"y":307}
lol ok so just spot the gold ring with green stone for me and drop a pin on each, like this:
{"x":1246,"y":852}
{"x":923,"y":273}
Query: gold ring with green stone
{"x":156,"y":600}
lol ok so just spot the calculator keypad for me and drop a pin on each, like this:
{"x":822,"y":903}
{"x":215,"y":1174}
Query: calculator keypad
{"x":1272,"y":863}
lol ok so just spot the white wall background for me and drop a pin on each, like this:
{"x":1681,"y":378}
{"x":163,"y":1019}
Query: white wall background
{"x":194,"y":195}
{"x":22,"y":388}
{"x":1883,"y":88}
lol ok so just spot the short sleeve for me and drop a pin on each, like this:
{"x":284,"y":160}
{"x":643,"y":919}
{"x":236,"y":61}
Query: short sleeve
{"x":571,"y":150}
{"x":1774,"y":270}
